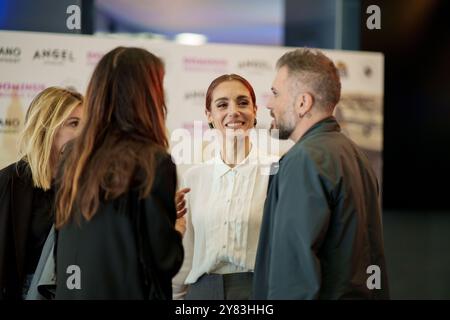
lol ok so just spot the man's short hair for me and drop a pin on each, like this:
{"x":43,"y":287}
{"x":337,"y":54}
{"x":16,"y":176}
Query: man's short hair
{"x":311,"y":68}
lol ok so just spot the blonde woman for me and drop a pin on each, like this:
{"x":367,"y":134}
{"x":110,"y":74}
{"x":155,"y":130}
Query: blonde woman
{"x":26,"y":195}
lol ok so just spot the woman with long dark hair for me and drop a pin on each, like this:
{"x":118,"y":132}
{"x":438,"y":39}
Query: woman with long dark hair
{"x":115,"y":208}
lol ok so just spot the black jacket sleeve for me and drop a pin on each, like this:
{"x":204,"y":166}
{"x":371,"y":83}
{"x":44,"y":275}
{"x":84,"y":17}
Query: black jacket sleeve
{"x":5,"y":194}
{"x":160,"y":210}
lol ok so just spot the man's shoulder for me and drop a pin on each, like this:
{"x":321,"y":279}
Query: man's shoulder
{"x":322,"y":145}
{"x":305,"y":151}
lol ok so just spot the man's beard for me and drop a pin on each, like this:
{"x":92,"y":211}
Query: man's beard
{"x":283,"y":129}
{"x":284,"y":133}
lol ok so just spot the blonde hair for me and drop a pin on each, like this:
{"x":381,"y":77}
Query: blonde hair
{"x":47,"y":112}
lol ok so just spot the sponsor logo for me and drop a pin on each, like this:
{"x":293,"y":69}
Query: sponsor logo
{"x":10,"y":54}
{"x":23,"y":89}
{"x":205,"y":64}
{"x":368,"y":71}
{"x":342,"y":68}
{"x":54,"y":56}
{"x":93,"y":57}
{"x":255,"y":65}
{"x":9,"y":125}
{"x":195,"y":95}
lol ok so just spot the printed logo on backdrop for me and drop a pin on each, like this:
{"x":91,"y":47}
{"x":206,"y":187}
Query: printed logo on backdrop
{"x":9,"y":125}
{"x":195,"y":97}
{"x":93,"y":57}
{"x":361,"y":118}
{"x":342,"y":68}
{"x":21,"y":89}
{"x":10,"y":54}
{"x":54,"y":56}
{"x":254,"y":66}
{"x":199,"y":64}
{"x":368,"y":71}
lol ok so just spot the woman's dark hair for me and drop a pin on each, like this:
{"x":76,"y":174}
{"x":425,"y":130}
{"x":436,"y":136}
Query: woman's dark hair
{"x":124,"y":128}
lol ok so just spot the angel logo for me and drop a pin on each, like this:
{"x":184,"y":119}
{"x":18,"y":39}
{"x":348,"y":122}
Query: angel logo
{"x":54,"y":56}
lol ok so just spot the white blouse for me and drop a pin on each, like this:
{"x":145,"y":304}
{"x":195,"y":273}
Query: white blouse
{"x":223,"y":219}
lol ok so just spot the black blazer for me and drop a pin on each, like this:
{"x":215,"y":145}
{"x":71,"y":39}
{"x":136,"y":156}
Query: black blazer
{"x":16,"y":197}
{"x":105,"y":248}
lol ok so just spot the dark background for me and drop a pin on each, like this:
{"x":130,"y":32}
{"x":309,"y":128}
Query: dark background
{"x":415,"y":38}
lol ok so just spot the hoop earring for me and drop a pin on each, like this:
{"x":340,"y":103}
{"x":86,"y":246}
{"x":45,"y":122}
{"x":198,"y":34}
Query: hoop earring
{"x":211,"y":125}
{"x":255,"y":123}
{"x":307,"y":114}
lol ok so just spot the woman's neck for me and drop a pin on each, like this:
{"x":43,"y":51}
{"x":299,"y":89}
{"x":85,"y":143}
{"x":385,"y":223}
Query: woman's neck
{"x":235,"y":150}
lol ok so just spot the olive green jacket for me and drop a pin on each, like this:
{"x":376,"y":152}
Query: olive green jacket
{"x":321,"y":235}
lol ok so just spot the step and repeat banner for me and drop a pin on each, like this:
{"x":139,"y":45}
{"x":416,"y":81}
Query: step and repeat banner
{"x":30,"y":62}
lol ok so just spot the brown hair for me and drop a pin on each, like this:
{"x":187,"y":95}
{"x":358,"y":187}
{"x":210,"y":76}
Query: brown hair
{"x":316,"y":71}
{"x":124,"y":128}
{"x":228,"y":77}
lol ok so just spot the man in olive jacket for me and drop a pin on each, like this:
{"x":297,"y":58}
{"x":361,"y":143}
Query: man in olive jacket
{"x":321,"y":235}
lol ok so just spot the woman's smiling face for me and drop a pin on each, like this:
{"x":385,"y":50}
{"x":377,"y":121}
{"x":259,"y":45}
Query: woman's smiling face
{"x":231,"y":107}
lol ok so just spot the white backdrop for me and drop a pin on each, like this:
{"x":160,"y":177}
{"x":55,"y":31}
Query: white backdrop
{"x":30,"y":62}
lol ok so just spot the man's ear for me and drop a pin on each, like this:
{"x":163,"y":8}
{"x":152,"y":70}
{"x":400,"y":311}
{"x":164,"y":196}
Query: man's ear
{"x":304,"y":103}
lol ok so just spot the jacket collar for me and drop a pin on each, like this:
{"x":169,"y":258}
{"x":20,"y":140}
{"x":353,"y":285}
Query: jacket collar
{"x":329,"y":124}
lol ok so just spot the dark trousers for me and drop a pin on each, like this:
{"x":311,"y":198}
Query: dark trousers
{"x":232,"y":286}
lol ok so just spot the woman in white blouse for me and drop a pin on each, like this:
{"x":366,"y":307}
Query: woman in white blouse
{"x":225,"y":205}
